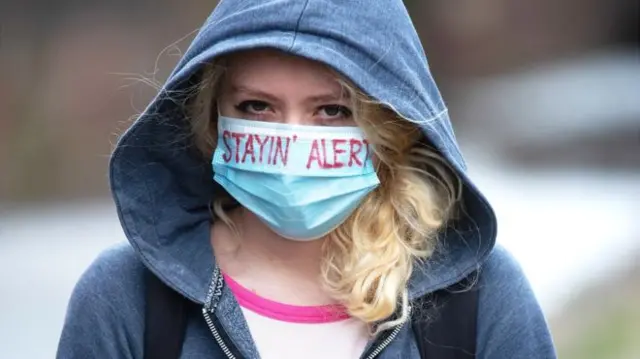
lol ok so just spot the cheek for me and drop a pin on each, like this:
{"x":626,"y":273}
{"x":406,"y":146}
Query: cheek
{"x":375,"y":160}
{"x":226,"y":110}
{"x":377,"y":163}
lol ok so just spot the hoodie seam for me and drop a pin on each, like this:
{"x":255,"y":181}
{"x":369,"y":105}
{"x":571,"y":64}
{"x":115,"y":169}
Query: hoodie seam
{"x":295,"y":30}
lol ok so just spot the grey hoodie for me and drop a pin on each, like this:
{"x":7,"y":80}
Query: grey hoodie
{"x":162,"y":190}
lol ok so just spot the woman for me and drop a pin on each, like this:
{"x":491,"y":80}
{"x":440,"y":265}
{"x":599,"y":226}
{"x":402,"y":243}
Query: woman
{"x":297,"y":178}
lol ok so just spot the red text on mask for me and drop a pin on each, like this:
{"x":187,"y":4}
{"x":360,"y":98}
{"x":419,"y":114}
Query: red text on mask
{"x":274,"y":150}
{"x":277,"y":148}
{"x":346,"y":152}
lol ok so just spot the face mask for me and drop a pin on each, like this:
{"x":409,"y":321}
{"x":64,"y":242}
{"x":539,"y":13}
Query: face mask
{"x":302,"y":181}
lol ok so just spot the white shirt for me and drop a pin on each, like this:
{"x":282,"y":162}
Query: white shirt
{"x":283,"y":331}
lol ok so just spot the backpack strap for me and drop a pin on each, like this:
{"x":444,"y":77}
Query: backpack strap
{"x":165,"y":319}
{"x":450,"y":332}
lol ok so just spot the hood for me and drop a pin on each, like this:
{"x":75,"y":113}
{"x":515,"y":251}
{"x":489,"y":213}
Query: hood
{"x":162,"y":187}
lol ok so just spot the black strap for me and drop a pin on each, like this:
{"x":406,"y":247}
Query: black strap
{"x":165,"y":319}
{"x":448,"y":330}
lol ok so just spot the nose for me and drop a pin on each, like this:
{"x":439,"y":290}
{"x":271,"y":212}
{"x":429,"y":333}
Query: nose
{"x":297,"y":116}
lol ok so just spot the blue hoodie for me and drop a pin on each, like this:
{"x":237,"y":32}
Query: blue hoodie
{"x":162,"y":189}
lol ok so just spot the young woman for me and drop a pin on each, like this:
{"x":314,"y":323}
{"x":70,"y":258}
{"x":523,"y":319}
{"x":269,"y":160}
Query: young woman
{"x":297,"y":179}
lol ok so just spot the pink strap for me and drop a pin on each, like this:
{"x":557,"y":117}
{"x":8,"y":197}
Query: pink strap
{"x":285,"y":312}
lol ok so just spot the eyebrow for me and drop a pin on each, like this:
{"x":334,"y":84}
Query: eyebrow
{"x":254,"y":92}
{"x":326,"y":97}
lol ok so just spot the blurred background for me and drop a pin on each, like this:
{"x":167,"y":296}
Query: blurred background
{"x":544,"y":96}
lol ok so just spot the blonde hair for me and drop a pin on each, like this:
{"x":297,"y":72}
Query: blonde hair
{"x":367,"y":261}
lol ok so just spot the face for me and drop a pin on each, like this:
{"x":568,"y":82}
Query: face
{"x":266,"y":85}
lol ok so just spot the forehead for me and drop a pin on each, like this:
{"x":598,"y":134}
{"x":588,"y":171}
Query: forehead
{"x":277,"y":70}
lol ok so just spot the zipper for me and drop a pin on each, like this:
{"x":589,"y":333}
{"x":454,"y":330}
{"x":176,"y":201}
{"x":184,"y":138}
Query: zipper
{"x":216,"y":335}
{"x":211,"y":302}
{"x":229,"y":354}
{"x":385,"y":343}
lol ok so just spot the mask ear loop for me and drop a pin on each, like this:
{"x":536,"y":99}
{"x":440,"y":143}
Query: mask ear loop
{"x":212,"y":215}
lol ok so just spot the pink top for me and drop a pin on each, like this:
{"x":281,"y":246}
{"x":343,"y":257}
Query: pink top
{"x":285,"y":312}
{"x":284,"y":331}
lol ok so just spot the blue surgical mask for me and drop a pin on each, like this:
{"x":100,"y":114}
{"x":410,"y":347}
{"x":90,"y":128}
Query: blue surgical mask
{"x":301,"y":181}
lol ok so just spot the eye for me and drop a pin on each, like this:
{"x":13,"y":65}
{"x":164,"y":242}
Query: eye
{"x":332,"y":112}
{"x":252,"y":107}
